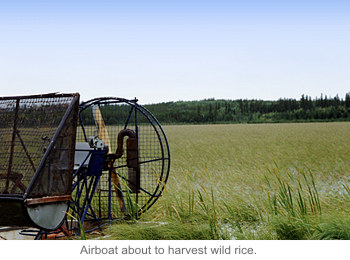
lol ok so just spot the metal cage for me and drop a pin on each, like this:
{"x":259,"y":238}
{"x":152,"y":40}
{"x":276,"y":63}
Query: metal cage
{"x":122,"y":161}
{"x":37,"y":144}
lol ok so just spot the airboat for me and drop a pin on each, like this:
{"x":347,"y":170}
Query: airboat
{"x":68,"y":166}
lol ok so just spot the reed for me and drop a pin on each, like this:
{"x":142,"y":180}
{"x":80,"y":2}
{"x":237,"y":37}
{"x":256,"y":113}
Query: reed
{"x":291,"y":195}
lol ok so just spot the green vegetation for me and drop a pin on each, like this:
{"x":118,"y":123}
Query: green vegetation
{"x":211,"y":111}
{"x":253,"y":111}
{"x":251,"y":181}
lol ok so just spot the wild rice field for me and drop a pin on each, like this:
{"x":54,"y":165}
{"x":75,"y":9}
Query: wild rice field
{"x":251,"y":181}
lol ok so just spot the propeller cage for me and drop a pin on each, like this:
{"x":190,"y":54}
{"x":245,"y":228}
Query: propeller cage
{"x":136,"y":160}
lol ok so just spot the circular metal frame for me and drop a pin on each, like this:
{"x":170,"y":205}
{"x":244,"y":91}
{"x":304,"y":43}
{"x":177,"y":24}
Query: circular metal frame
{"x":153,"y":162}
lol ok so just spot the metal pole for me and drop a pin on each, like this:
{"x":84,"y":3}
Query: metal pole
{"x":9,"y":169}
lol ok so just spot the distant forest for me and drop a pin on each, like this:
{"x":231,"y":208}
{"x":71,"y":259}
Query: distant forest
{"x":205,"y":111}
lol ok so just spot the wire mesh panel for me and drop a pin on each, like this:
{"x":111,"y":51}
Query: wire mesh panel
{"x":54,"y":178}
{"x":27,"y":126}
{"x":138,"y":160}
{"x":37,"y":141}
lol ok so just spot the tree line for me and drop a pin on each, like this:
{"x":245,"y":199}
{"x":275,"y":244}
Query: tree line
{"x":306,"y":109}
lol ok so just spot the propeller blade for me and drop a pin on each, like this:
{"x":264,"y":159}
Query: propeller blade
{"x":102,"y":129}
{"x":103,"y":135}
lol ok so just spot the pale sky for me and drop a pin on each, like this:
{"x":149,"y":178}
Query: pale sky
{"x":162,"y":51}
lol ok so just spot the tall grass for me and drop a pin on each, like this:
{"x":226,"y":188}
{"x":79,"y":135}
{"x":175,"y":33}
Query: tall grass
{"x":132,"y":208}
{"x":225,"y":184}
{"x":81,"y":228}
{"x":194,"y":218}
{"x":295,"y":196}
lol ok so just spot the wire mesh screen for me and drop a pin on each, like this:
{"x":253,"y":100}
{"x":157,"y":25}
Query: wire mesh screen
{"x":54,"y":178}
{"x":27,"y":127}
{"x":119,"y":191}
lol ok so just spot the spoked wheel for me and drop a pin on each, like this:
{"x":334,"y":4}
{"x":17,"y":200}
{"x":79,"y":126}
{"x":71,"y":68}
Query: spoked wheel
{"x":124,"y":161}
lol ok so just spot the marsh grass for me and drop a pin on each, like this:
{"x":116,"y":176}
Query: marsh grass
{"x":295,"y":196}
{"x":82,"y":232}
{"x":171,"y":230}
{"x":335,"y":227}
{"x":278,"y":181}
{"x":131,"y":204}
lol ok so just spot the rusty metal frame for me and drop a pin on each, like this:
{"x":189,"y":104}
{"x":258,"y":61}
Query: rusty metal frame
{"x":45,"y":200}
{"x":49,"y":95}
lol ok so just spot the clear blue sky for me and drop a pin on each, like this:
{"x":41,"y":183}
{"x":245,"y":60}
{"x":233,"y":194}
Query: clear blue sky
{"x":175,"y":50}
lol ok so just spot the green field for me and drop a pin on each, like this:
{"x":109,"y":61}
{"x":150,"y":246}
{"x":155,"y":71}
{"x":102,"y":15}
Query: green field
{"x":252,"y":181}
